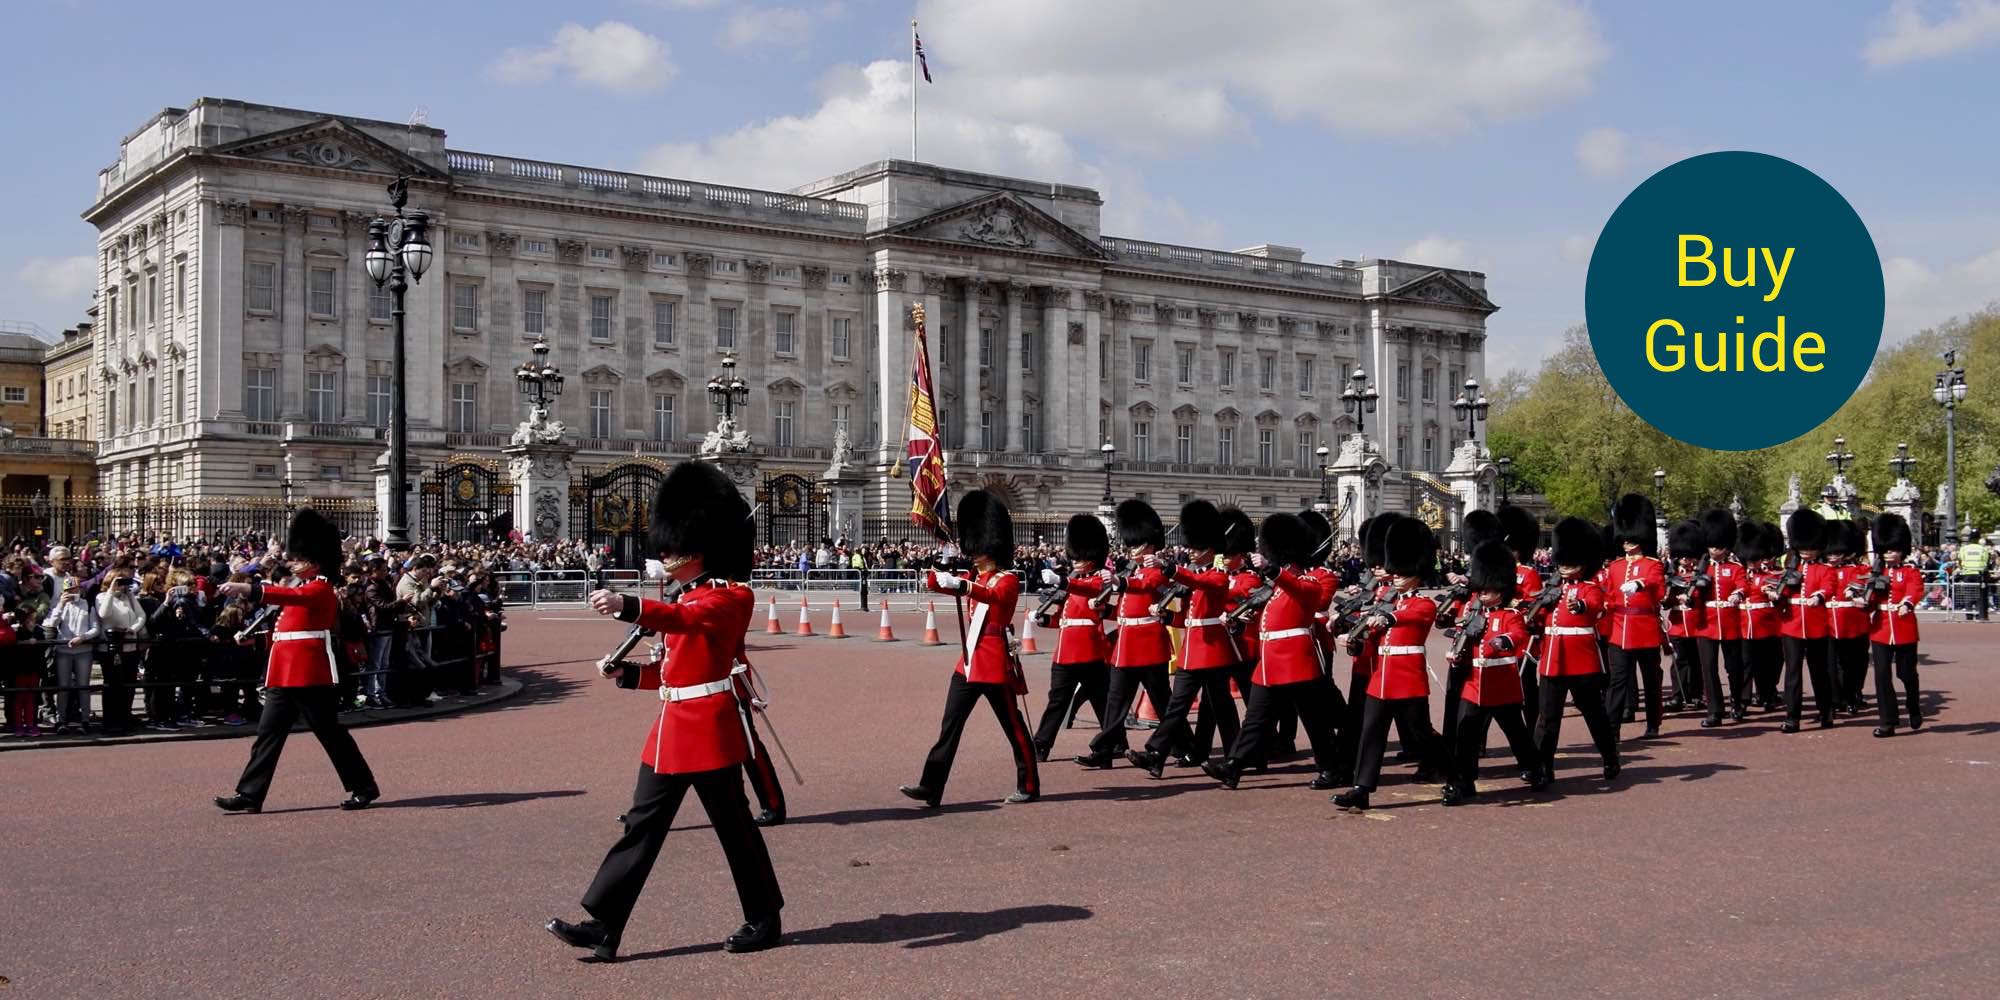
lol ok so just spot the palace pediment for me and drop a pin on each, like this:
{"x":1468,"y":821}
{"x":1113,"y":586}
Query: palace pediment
{"x":331,"y":144}
{"x":1440,"y":288}
{"x":1000,"y":222}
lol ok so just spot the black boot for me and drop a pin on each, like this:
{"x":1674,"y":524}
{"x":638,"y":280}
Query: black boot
{"x":1355,"y":799}
{"x":238,"y":803}
{"x":1096,"y":758}
{"x":921,"y":794}
{"x":756,"y":935}
{"x":1154,"y":764}
{"x":1882,"y":732}
{"x":359,"y":800}
{"x":1611,"y":769}
{"x":1227,"y":771}
{"x":592,"y":934}
{"x":1325,"y":780}
{"x":769,"y":818}
{"x":1450,"y":795}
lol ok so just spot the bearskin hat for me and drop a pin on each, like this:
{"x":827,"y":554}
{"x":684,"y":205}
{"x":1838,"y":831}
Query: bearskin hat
{"x":1686,"y":540}
{"x":1239,"y":533}
{"x":1201,"y":526}
{"x":1634,"y":520}
{"x":1844,"y":537}
{"x":1751,"y":544}
{"x":699,"y":512}
{"x":314,"y":538}
{"x":1492,"y":567}
{"x":1087,"y":540}
{"x":1139,"y":524}
{"x":1409,"y":548}
{"x":985,"y":529}
{"x":1375,"y":534}
{"x":1285,"y":540}
{"x":1522,"y":530}
{"x":1481,"y":526}
{"x":1805,"y":530}
{"x":1718,"y":529}
{"x":1578,"y":543}
{"x":1892,"y":534}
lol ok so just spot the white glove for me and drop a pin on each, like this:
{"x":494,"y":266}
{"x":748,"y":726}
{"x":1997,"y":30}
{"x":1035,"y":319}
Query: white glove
{"x":1629,"y":587}
{"x":1257,"y":559}
{"x":1150,"y":561}
{"x":1051,"y":579}
{"x":950,"y":583}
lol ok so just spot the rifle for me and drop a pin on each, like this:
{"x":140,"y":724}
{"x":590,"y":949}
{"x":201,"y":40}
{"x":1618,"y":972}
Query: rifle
{"x":1466,"y":642}
{"x":1052,"y":602}
{"x":1238,"y":618}
{"x":1102,"y":603}
{"x":617,"y":659}
{"x":1544,"y":602}
{"x":1385,"y":608}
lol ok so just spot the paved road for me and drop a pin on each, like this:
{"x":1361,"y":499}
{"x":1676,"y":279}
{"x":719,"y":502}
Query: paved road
{"x":1726,"y":862}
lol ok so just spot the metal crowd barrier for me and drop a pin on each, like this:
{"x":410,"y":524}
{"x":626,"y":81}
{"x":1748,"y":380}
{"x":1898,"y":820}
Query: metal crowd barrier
{"x":880,"y":581}
{"x":534,"y":588}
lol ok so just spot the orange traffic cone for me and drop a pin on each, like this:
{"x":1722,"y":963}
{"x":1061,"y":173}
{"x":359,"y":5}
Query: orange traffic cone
{"x":833,"y":628}
{"x":930,"y":626}
{"x":1028,"y":637}
{"x":771,"y":626}
{"x":883,"y":633}
{"x":805,"y":617}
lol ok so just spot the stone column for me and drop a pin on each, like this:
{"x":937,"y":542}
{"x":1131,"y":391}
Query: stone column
{"x":541,"y":475}
{"x":1058,"y":396}
{"x":1903,"y":500}
{"x":933,"y":291}
{"x":221,"y":305}
{"x":1357,"y":483}
{"x":892,"y":371}
{"x":292,"y":316}
{"x":1007,"y":381}
{"x":845,"y":485}
{"x":967,"y":432}
{"x":1471,"y":475}
{"x":1090,"y":395}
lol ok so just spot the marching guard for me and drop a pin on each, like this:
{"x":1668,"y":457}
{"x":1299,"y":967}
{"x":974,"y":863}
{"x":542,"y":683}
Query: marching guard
{"x":1719,"y":641}
{"x":1892,"y":644}
{"x":1847,"y":615}
{"x":1688,"y":613}
{"x":1635,"y":586}
{"x":1804,"y":587}
{"x":1399,"y":685}
{"x":1209,"y":652}
{"x":1570,"y":668}
{"x":303,"y":676}
{"x":1490,"y":689}
{"x":702,"y":529}
{"x":1078,"y":667}
{"x":1759,"y":544}
{"x":1139,"y":656}
{"x":1523,"y":533}
{"x":988,"y":666}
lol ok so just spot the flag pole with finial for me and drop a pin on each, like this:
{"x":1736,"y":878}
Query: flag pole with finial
{"x":915,"y":72}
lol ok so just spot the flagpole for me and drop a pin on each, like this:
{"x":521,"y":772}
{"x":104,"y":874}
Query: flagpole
{"x":915,"y":73}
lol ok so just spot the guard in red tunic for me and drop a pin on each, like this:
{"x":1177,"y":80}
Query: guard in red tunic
{"x":1804,"y":587}
{"x":1208,"y":652}
{"x":303,"y":674}
{"x":1687,"y":611}
{"x":988,"y":667}
{"x":1569,"y":668}
{"x":1524,"y":534}
{"x":1719,"y":640}
{"x":1078,"y":670}
{"x":1290,"y":669}
{"x":1244,"y":610}
{"x":1847,"y":615}
{"x":1400,"y":682}
{"x":1759,"y":544}
{"x":1139,"y":657}
{"x":1360,"y":644}
{"x":1635,"y":586}
{"x":1478,"y":528}
{"x":702,"y":529}
{"x":1894,"y":588}
{"x":1490,"y":679}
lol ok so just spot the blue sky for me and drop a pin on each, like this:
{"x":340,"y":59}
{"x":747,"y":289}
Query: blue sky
{"x":1490,"y":135}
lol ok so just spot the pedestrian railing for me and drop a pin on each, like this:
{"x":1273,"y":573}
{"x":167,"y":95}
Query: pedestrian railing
{"x":880,"y":581}
{"x":536,"y":588}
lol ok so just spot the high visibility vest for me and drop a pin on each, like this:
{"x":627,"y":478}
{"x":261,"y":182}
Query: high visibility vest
{"x":1972,"y":558}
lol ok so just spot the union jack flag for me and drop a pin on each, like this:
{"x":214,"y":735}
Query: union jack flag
{"x":928,"y":504}
{"x":922,"y":63}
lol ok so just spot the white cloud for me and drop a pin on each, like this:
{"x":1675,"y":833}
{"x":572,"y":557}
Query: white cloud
{"x":611,"y":56}
{"x":680,"y":4}
{"x":1438,"y":251}
{"x":1920,"y":296}
{"x":60,"y":278}
{"x":1608,"y":153}
{"x":775,"y":27}
{"x":1576,"y":248}
{"x":1905,"y":34}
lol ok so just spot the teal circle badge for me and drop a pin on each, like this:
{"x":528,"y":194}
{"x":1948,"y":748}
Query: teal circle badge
{"x":1734,"y":300}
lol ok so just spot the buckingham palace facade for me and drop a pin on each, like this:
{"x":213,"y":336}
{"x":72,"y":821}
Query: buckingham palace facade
{"x":242,"y":349}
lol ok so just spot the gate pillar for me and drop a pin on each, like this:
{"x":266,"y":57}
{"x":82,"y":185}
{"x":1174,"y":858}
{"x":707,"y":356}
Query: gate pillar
{"x":541,"y":476}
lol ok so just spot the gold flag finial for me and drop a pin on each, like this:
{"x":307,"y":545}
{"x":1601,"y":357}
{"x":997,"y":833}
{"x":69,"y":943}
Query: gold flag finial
{"x":917,"y":312}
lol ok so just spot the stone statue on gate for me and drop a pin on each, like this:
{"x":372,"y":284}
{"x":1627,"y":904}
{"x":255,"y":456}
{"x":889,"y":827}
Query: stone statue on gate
{"x":843,"y":453}
{"x":539,"y":428}
{"x":726,"y":437}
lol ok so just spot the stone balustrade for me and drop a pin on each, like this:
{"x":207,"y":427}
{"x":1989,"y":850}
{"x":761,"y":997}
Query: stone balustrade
{"x":504,"y":171}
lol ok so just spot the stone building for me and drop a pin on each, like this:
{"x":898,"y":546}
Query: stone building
{"x":241,"y":345}
{"x":43,"y":449}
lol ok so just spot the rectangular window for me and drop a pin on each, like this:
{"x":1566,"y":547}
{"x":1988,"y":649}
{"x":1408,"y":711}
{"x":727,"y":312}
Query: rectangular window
{"x":136,"y":316}
{"x":265,"y":472}
{"x":663,"y":324}
{"x":1027,"y":354}
{"x":1184,"y":365}
{"x":985,"y":347}
{"x":1184,"y":443}
{"x":781,"y":333}
{"x":1225,"y":445}
{"x":843,"y":337}
{"x":600,"y":413}
{"x":1028,"y":432}
{"x":378,"y":400}
{"x":464,"y":407}
{"x":381,"y":304}
{"x":1402,"y":380}
{"x":319,"y":292}
{"x":154,"y":303}
{"x":782,"y":413}
{"x":181,"y":289}
{"x":727,"y":266}
{"x":1403,"y":449}
{"x":840,"y":278}
{"x":1305,"y":375}
{"x":260,"y":394}
{"x":1430,"y":383}
{"x":534,"y":311}
{"x":600,"y":317}
{"x":15,"y":394}
{"x":665,"y":260}
{"x":843,"y":420}
{"x":534,"y":246}
{"x":1308,"y":451}
{"x":1103,"y":359}
{"x":725,"y":328}
{"x":111,"y":411}
{"x":322,"y":399}
{"x":1457,"y":383}
{"x":465,"y":307}
{"x":1103,"y":428}
{"x":1142,"y":361}
{"x":466,"y":241}
{"x":664,"y":428}
{"x":261,"y":294}
{"x":985,"y":430}
{"x":180,"y":396}
{"x":1267,"y":447}
{"x":1142,"y":440}
{"x":1267,"y":372}
{"x":1430,"y":452}
{"x":332,"y":473}
{"x":600,"y":253}
{"x":1225,"y":368}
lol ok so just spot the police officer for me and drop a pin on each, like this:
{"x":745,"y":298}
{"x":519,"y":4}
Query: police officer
{"x":1973,"y":559}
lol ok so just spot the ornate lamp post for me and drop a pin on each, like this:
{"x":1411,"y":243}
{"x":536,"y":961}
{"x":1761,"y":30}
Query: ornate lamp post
{"x":1472,"y":406}
{"x":728,"y":390}
{"x":1948,"y":392}
{"x":540,"y":382}
{"x":1325,"y":478}
{"x":1107,"y":450}
{"x":399,"y":252}
{"x":1659,"y":512}
{"x":1506,"y":466}
{"x":1845,"y":496}
{"x":1902,"y":463}
{"x":1359,"y":399}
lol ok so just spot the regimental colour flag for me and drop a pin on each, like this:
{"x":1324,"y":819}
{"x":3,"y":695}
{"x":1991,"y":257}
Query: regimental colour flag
{"x":928,"y":504}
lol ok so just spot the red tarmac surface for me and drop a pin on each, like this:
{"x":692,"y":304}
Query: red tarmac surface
{"x":1729,"y":862}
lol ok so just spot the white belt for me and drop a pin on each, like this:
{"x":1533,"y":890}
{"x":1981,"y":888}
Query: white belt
{"x":1568,"y":630}
{"x":1285,"y":633}
{"x":1148,"y":620}
{"x":1199,"y":622}
{"x":1754,"y":607}
{"x":1319,"y":616}
{"x":1400,"y":651}
{"x":1079,"y":623}
{"x":1495,"y":661}
{"x":1844,"y":604}
{"x":315,"y":635}
{"x":1893,"y":606}
{"x":697,"y":691}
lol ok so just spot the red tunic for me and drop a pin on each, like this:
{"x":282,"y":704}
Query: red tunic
{"x":1634,"y":617}
{"x":1495,"y":677}
{"x":1363,"y":666}
{"x":1569,"y":643}
{"x":1289,"y":651}
{"x":1802,"y":620}
{"x":1399,"y":658}
{"x":1081,"y":635}
{"x":701,"y":725}
{"x":302,"y":641}
{"x":1142,"y":636}
{"x":1720,"y":620}
{"x":1893,"y":625}
{"x":1241,"y":584}
{"x":1848,"y":616}
{"x":1322,"y":622}
{"x":993,"y":596}
{"x":1759,"y":610}
{"x":1527,"y":582}
{"x":1206,"y":644}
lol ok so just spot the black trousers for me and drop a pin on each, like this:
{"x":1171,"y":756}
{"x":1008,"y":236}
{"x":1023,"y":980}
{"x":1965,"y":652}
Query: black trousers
{"x":1375,"y":717}
{"x":1218,"y":711}
{"x":1766,"y":663}
{"x":321,"y":708}
{"x":1531,"y":689}
{"x":1720,"y":656}
{"x":121,"y":670}
{"x":1587,"y":692}
{"x":1621,"y":665}
{"x":959,"y":701}
{"x":1120,"y":693}
{"x":1469,"y":740}
{"x":1850,"y":664}
{"x":1689,"y":686}
{"x":1068,"y":682}
{"x":763,"y":775}
{"x":1903,"y":659}
{"x":655,"y":799}
{"x":1314,"y":702}
{"x":1802,"y":657}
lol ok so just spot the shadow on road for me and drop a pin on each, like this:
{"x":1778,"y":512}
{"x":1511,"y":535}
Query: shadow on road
{"x":913,"y":930}
{"x":473,"y":800}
